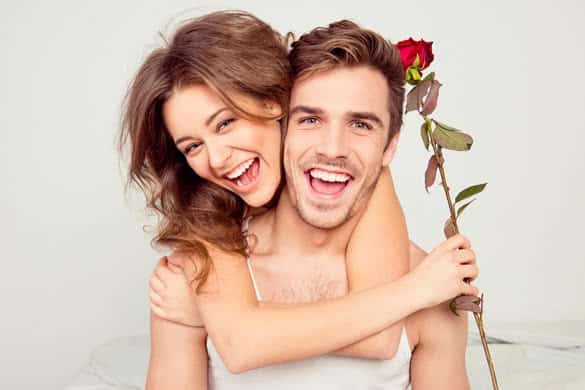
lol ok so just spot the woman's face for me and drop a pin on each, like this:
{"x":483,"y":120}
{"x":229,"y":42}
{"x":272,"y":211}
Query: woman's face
{"x":240,"y":155}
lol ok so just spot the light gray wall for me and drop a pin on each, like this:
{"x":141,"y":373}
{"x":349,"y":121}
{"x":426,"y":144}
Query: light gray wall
{"x":75,"y":259}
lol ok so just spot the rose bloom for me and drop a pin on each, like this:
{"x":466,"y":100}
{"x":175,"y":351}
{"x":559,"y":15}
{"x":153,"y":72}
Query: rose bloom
{"x":409,"y":48}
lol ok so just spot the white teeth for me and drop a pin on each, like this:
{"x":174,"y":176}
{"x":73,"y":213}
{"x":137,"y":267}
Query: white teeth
{"x":328,"y":176}
{"x":240,"y":169}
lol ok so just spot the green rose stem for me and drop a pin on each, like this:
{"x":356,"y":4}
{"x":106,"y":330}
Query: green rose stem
{"x":478,"y":316}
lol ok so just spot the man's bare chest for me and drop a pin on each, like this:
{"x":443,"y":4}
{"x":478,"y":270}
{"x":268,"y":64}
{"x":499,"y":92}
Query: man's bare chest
{"x":297,"y":281}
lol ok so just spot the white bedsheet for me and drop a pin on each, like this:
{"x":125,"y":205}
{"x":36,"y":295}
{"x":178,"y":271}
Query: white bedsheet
{"x":535,"y":356}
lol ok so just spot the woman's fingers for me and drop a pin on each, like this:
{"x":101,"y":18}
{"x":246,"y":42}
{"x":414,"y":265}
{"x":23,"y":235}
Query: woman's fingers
{"x":175,"y":269}
{"x":465,"y":256}
{"x":468,"y":271}
{"x":155,"y":298}
{"x":156,"y":284}
{"x":158,"y":311}
{"x":177,"y":261}
{"x":468,"y":289}
{"x":164,"y":273}
{"x":458,"y":241}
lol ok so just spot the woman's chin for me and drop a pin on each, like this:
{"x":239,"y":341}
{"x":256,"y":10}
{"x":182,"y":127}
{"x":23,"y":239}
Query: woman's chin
{"x":260,"y":197}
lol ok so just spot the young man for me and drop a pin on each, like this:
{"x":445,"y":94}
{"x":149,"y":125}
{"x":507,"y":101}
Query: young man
{"x":343,"y":124}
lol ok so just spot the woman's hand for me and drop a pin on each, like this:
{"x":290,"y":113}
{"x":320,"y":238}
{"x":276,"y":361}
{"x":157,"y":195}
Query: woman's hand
{"x":171,"y":295}
{"x":440,"y":275}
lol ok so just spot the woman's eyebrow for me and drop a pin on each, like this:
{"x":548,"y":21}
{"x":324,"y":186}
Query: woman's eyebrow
{"x":177,"y":142}
{"x":212,"y":116}
{"x":207,"y":122}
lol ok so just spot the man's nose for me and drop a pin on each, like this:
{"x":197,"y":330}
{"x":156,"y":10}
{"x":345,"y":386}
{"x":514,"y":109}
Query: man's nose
{"x":219,"y":154}
{"x":334,"y":142}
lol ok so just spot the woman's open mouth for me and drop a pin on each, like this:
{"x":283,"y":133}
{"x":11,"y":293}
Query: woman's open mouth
{"x":245,"y":175}
{"x":327,"y":184}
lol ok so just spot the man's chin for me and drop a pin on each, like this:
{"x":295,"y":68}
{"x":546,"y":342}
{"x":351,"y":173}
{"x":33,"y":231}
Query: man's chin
{"x":323,"y":218}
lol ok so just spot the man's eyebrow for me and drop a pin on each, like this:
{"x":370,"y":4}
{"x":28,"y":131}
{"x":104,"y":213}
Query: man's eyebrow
{"x":207,"y":122}
{"x":306,"y":110}
{"x":366,"y":115}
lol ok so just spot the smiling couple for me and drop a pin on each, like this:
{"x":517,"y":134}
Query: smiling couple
{"x":291,"y":264}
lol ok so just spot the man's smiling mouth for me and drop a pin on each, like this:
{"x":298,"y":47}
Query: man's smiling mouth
{"x":328,"y":183}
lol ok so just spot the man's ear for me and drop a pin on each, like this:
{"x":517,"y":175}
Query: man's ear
{"x":391,"y":149}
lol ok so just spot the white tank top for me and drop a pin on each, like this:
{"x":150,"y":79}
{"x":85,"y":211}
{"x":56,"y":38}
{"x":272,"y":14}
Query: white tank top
{"x":323,"y":372}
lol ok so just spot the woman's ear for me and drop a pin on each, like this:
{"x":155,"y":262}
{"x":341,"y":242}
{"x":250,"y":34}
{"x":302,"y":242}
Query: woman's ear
{"x":272,"y":108}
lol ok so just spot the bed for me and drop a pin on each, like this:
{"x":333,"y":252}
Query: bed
{"x":543,"y":355}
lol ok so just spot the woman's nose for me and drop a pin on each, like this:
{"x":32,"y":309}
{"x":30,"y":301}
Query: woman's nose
{"x":219,"y":154}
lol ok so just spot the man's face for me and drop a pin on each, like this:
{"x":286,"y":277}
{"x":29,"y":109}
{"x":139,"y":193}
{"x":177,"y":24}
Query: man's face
{"x":334,"y":147}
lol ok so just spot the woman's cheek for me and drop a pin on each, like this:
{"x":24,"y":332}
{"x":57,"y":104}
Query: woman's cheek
{"x":198,"y":166}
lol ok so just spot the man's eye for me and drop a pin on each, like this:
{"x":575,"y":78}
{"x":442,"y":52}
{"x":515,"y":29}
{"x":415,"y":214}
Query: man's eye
{"x":190,"y":148}
{"x":309,"y":121}
{"x":223,"y":124}
{"x":362,"y":125}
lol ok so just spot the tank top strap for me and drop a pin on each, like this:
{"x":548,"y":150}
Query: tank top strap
{"x":258,"y":297}
{"x":404,"y":344}
{"x":245,"y":225}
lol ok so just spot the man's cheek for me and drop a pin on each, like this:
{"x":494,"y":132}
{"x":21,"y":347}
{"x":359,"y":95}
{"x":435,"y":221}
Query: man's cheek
{"x":291,"y":147}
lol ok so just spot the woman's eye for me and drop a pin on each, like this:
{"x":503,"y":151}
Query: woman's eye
{"x":190,"y":148}
{"x":362,"y":125}
{"x":223,"y":124}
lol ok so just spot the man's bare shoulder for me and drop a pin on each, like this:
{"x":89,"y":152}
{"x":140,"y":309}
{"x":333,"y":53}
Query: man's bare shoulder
{"x":435,"y":325}
{"x":417,"y":254}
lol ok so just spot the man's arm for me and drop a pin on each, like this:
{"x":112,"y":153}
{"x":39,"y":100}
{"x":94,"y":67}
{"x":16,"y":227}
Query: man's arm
{"x":438,"y":360}
{"x":178,"y":356}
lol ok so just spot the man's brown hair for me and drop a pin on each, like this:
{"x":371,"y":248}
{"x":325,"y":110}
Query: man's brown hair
{"x":344,"y":43}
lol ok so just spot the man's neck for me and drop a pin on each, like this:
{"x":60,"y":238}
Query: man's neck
{"x":290,"y":233}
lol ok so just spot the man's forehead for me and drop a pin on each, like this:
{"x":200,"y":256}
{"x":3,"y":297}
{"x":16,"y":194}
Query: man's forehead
{"x":343,"y":89}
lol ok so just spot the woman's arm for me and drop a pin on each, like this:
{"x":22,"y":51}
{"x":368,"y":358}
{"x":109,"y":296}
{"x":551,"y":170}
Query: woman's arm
{"x":367,"y":266}
{"x":378,"y":252}
{"x":178,"y":356}
{"x":248,"y":336}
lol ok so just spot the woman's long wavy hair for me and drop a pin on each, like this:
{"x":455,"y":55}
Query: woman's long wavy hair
{"x":230,"y":52}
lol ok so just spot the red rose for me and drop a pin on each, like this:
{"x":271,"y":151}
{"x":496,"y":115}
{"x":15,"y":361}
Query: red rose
{"x":409,"y":48}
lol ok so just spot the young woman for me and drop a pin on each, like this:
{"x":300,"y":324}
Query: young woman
{"x":203,"y":122}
